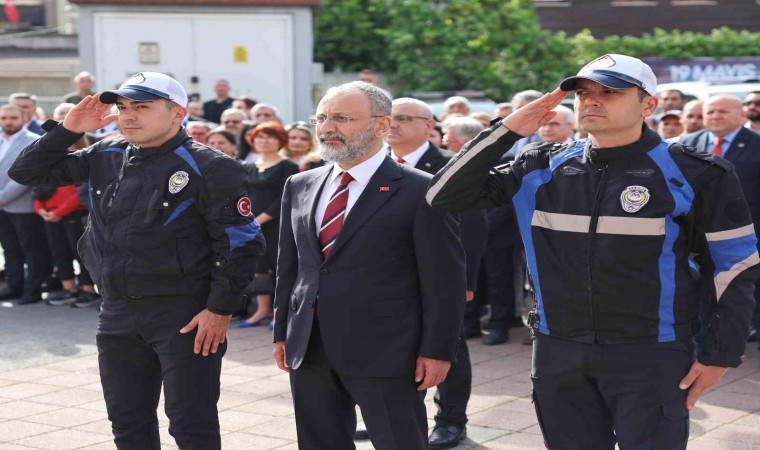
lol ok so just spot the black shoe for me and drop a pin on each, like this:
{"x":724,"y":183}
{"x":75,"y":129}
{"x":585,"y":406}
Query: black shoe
{"x":470,"y":333}
{"x":496,"y":337}
{"x":28,"y":299}
{"x":446,"y":436}
{"x":87,"y":299}
{"x":361,"y":433}
{"x":7,"y":294}
{"x":62,"y":298}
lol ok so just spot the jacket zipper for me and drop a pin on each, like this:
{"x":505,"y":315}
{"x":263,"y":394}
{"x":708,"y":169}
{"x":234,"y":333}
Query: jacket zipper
{"x":591,"y":247}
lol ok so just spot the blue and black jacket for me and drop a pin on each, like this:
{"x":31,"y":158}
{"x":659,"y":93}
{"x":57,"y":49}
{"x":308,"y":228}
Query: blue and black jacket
{"x":609,"y":233}
{"x":170,"y":220}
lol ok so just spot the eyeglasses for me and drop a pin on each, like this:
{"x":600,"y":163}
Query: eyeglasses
{"x":337,"y":118}
{"x":403,"y":118}
{"x":755,"y":103}
{"x":231,"y":121}
{"x":264,"y":138}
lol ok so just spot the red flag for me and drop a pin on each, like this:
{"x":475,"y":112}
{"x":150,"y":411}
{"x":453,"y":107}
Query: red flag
{"x":11,"y":12}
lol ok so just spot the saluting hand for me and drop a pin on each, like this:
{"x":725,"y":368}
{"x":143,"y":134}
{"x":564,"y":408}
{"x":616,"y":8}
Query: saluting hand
{"x":699,"y":379}
{"x":88,"y":115}
{"x":528,"y":119}
{"x":431,"y":372}
{"x":212,"y":331}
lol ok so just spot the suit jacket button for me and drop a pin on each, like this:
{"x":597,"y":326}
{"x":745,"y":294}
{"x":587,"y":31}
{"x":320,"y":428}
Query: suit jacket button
{"x":324,"y":271}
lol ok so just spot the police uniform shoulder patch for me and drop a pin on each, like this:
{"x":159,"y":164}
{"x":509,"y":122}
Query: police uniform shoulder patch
{"x":707,"y":157}
{"x":178,"y":181}
{"x":634,"y":198}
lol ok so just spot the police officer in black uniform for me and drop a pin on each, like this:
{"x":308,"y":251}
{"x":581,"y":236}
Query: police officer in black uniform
{"x":608,"y":225}
{"x":170,"y":242}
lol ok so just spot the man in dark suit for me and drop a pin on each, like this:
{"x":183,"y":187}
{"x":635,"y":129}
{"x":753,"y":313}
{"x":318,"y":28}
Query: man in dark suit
{"x":28,"y":105}
{"x":370,"y":284}
{"x":724,"y":135}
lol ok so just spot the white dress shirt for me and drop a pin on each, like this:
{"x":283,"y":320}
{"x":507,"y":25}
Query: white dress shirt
{"x":362,"y":173}
{"x":413,"y":158}
{"x":5,"y":143}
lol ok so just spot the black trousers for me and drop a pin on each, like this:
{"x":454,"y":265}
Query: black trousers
{"x":139,"y":347}
{"x":23,"y":239}
{"x":589,"y":397}
{"x":62,"y":237}
{"x":324,"y":401}
{"x":454,"y":393}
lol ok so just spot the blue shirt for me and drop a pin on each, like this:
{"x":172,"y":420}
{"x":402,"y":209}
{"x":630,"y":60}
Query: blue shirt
{"x":727,"y":140}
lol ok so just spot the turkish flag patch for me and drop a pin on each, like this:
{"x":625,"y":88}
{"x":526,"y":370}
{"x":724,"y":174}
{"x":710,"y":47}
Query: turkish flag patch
{"x":244,"y":206}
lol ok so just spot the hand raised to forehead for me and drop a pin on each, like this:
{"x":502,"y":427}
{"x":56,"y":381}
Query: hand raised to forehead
{"x":88,"y":115}
{"x":528,"y":119}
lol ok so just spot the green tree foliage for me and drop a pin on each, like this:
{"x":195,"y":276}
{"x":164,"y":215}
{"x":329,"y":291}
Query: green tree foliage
{"x":496,"y":46}
{"x":347,"y":35}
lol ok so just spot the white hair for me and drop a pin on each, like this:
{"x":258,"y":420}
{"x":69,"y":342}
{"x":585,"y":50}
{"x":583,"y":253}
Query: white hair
{"x":457,"y":99}
{"x":258,"y":106}
{"x":231,"y":111}
{"x":197,"y":124}
{"x":567,"y":112}
{"x":466,"y":128}
{"x":84,"y":74}
{"x":379,"y":102}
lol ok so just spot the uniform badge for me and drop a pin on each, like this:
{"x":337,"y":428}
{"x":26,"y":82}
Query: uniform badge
{"x":634,"y":198}
{"x":178,"y":181}
{"x":244,"y":206}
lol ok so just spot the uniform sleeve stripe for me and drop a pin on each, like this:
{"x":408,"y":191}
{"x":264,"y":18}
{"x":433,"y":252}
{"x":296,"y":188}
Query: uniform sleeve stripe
{"x":728,"y":252}
{"x":723,"y":279}
{"x":113,"y":149}
{"x":561,"y":222}
{"x":242,"y":234}
{"x":463,"y":158}
{"x":731,"y":234}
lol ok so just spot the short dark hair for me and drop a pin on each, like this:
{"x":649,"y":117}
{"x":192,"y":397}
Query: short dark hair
{"x":680,"y":94}
{"x":224,"y":133}
{"x":644,"y":94}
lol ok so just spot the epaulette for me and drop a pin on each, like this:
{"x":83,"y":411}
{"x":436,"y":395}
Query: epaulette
{"x":704,"y":156}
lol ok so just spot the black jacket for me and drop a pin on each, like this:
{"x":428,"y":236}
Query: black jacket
{"x":608,"y":234}
{"x":170,"y":220}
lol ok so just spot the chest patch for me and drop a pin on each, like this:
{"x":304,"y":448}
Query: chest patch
{"x":634,"y":198}
{"x":178,"y":181}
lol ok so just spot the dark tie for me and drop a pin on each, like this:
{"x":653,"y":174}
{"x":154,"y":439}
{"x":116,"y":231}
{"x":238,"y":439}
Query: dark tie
{"x":334,"y":215}
{"x":400,"y":160}
{"x":718,"y":147}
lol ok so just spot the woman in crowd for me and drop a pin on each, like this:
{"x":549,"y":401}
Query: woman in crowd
{"x":300,"y":142}
{"x":266,"y":177}
{"x":64,"y":218}
{"x":222,"y":140}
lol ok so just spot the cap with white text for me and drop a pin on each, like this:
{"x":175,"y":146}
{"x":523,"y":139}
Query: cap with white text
{"x":146,"y":87}
{"x":616,"y":72}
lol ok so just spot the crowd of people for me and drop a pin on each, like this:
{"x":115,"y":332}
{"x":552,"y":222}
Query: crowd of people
{"x":40,"y":226}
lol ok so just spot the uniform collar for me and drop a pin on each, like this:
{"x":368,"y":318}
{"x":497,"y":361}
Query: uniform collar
{"x":179,"y":139}
{"x":648,"y":140}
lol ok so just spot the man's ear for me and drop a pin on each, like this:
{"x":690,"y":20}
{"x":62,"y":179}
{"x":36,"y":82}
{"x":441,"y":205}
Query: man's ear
{"x":383,"y":125}
{"x":179,"y":114}
{"x":650,"y":105}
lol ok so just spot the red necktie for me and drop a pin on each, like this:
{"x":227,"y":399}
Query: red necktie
{"x":334,"y":215}
{"x":718,"y":147}
{"x":400,"y":160}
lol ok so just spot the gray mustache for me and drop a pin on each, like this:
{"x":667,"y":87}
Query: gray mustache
{"x":325,"y":137}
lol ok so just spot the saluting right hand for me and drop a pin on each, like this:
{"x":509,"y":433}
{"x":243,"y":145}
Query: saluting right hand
{"x":528,"y":119}
{"x":88,"y":115}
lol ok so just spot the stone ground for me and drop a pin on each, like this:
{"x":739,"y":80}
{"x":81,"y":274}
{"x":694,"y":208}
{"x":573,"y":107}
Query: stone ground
{"x":50,"y":395}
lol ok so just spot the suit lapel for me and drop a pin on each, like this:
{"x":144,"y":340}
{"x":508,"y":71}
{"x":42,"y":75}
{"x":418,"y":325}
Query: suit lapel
{"x":313,"y":192}
{"x":429,"y":158}
{"x":739,"y":145}
{"x":704,"y":142}
{"x":371,"y":200}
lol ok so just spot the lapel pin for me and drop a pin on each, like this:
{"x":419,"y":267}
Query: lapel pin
{"x":740,"y":144}
{"x":385,"y":189}
{"x":427,"y":164}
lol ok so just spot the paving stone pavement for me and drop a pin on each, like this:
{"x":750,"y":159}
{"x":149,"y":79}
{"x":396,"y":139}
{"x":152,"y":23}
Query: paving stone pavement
{"x":50,"y":395}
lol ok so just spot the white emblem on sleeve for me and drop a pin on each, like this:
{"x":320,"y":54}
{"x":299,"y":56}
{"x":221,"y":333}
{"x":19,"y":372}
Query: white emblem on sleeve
{"x":178,"y":181}
{"x":634,"y":198}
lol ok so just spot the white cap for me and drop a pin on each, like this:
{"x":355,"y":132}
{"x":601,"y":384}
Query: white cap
{"x":146,"y":87}
{"x":616,"y":72}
